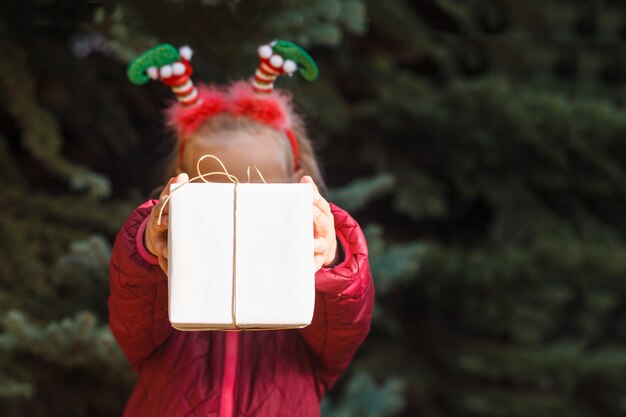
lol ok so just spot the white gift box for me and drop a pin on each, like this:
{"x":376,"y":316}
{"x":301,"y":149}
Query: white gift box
{"x":241,"y":256}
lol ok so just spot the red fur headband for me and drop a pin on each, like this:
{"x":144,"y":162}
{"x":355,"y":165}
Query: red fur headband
{"x":239,"y":99}
{"x":256,"y":100}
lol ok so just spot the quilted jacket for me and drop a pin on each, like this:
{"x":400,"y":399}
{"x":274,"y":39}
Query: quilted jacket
{"x":247,"y":374}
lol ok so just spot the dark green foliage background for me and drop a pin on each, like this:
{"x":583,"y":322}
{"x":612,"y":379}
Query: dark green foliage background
{"x":481,"y":145}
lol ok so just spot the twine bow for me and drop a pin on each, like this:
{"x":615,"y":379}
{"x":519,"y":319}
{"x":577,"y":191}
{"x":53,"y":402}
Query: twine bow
{"x":202,"y":176}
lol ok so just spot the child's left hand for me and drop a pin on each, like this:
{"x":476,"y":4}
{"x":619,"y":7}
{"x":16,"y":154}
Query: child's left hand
{"x":325,"y":240}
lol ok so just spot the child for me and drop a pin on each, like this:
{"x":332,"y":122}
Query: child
{"x":228,"y":373}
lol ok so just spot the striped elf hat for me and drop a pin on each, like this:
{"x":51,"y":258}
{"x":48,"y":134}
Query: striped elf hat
{"x":282,"y":57}
{"x":171,"y":67}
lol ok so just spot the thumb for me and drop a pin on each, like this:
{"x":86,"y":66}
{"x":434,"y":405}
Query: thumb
{"x":182,"y":177}
{"x":306,"y":179}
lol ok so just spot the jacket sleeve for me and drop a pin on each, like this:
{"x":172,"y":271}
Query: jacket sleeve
{"x":138,"y":315}
{"x":344,"y":300}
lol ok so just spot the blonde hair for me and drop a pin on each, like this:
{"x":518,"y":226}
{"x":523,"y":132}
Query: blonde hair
{"x":226,"y":123}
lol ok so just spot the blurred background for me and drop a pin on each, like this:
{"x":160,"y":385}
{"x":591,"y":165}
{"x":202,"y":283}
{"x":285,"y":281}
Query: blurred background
{"x":480,"y":144}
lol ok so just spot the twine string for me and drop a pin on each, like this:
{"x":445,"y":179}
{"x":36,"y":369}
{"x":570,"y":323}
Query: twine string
{"x":234,"y":297}
{"x":257,"y":171}
{"x":203,"y":177}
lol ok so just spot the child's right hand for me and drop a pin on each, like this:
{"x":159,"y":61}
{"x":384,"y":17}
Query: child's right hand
{"x":155,"y":236}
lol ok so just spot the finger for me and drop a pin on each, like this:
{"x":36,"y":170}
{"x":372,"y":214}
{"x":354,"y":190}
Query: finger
{"x":164,"y":265}
{"x":320,"y":222}
{"x":319,"y":245}
{"x":161,"y":209}
{"x":178,"y":179}
{"x":323,"y":205}
{"x":165,"y":221}
{"x":166,"y":190}
{"x":308,"y":180}
{"x":318,"y":200}
{"x":318,"y":262}
{"x":318,"y":214}
{"x":154,"y":226}
{"x":160,"y":248}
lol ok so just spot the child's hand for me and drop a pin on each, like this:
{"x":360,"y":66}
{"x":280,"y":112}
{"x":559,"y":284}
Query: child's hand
{"x":325,"y":240}
{"x":155,"y":236}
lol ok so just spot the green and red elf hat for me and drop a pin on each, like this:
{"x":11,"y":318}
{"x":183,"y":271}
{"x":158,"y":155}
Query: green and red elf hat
{"x":282,"y":57}
{"x":257,"y":100}
{"x":169,"y":66}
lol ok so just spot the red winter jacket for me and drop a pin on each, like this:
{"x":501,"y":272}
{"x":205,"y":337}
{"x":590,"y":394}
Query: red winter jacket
{"x":253,"y":374}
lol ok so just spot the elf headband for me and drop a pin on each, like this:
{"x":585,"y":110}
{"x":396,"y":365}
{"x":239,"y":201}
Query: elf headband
{"x":256,"y":99}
